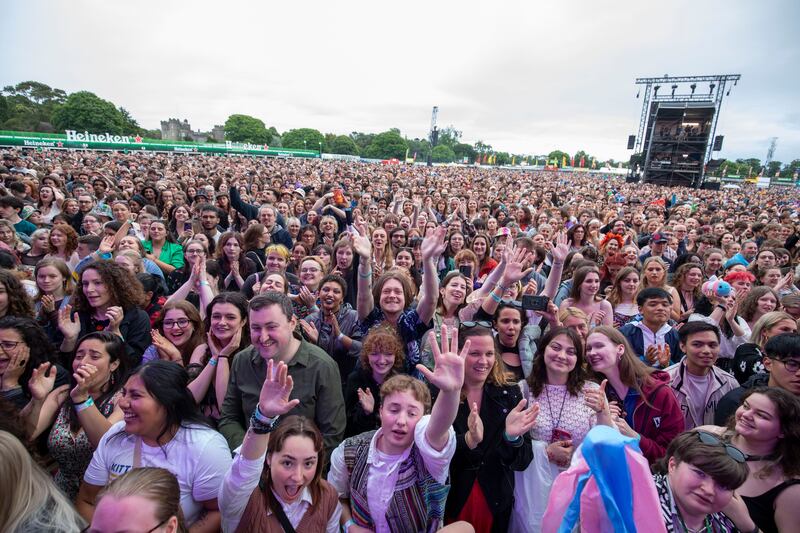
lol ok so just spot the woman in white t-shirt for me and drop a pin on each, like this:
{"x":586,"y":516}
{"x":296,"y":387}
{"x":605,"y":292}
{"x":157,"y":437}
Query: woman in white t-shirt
{"x":162,"y":427}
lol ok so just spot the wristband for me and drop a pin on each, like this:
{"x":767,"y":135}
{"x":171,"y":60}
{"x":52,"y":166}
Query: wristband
{"x":347,"y":525}
{"x":495,"y":297}
{"x":516,"y":441}
{"x":263,"y":425}
{"x":84,"y":405}
{"x":212,"y":362}
{"x":365,"y":276}
{"x":204,"y":283}
{"x":340,"y":337}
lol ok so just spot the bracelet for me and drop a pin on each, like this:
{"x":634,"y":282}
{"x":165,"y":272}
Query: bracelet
{"x":347,"y":525}
{"x":262,"y":427}
{"x":340,"y":336}
{"x":84,"y":405}
{"x":517,"y":441}
{"x":212,"y":362}
{"x":495,"y":297}
{"x":498,"y":286}
{"x":262,"y":417}
{"x":204,"y":283}
{"x":365,"y":276}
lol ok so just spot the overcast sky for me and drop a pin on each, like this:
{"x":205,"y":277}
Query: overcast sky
{"x":525,"y":77}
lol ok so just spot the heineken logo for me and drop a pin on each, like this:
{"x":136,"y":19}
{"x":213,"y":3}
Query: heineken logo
{"x":245,"y":146}
{"x":73,"y":135}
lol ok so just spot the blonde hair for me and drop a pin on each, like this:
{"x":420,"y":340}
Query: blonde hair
{"x":31,"y":501}
{"x":569,"y":312}
{"x":155,"y":484}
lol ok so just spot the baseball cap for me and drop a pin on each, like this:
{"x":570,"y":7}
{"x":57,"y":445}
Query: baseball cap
{"x":658,"y":238}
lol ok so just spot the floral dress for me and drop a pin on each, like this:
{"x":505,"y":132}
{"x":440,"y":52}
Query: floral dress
{"x":73,"y":451}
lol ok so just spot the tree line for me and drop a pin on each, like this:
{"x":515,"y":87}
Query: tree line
{"x":35,"y":106}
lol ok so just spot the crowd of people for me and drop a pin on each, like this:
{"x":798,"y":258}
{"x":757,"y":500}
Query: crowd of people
{"x":202,"y":343}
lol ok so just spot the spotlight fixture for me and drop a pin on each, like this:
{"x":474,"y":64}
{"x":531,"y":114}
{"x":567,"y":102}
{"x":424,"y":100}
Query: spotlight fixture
{"x":693,"y":87}
{"x":655,"y":90}
{"x":673,"y":90}
{"x":711,"y":88}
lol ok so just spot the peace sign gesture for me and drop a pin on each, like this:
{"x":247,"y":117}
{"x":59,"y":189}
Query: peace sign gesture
{"x":274,"y":397}
{"x":448,"y":370}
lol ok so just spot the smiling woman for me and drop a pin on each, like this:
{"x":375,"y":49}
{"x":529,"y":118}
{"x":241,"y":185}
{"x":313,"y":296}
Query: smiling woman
{"x":162,"y":427}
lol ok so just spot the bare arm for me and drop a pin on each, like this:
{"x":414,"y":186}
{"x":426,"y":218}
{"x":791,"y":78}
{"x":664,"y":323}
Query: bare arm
{"x":448,"y":377}
{"x":210,"y":518}
{"x":432,"y":248}
{"x":364,"y":303}
{"x":85,"y":502}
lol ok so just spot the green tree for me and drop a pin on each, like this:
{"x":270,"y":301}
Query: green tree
{"x":463,"y":150}
{"x":443,"y":154}
{"x":30,"y":106}
{"x":342,"y":144}
{"x":85,"y":111}
{"x":130,"y":126}
{"x":502,"y":158}
{"x":420,"y":147}
{"x":303,"y":138}
{"x":246,"y":129}
{"x":558,"y":156}
{"x":362,"y":140}
{"x":449,"y":136}
{"x":3,"y":109}
{"x":387,"y":145}
{"x":774,"y":166}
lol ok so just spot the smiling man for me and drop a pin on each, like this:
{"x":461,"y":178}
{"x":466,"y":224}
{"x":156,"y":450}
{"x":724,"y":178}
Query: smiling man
{"x":698,"y":384}
{"x":316,"y":376}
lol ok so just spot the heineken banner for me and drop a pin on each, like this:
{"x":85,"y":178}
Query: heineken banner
{"x":128,"y":143}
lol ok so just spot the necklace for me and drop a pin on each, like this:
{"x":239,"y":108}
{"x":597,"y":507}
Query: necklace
{"x":550,"y":408}
{"x":706,"y":525}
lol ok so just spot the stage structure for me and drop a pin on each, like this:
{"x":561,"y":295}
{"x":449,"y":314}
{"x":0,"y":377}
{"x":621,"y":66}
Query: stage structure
{"x":677,"y":128}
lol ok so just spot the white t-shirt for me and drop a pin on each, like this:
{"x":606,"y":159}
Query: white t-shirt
{"x":197,"y":456}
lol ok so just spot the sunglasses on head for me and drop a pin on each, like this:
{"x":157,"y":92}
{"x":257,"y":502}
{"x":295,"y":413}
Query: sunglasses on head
{"x":712,"y":440}
{"x":468,"y":324}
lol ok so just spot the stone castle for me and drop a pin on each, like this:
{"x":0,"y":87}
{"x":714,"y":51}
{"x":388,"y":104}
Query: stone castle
{"x":176,"y":130}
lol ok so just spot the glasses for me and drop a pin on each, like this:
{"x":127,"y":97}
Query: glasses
{"x":89,"y":527}
{"x":516,"y":304}
{"x":9,"y":346}
{"x":181,"y":323}
{"x":792,"y":365}
{"x":733,"y":452}
{"x":467,"y":324}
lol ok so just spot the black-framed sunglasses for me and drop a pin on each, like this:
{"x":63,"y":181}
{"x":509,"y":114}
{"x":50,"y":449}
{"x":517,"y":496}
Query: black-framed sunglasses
{"x":87,"y":528}
{"x":516,"y":304}
{"x":467,"y":324}
{"x":712,"y":440}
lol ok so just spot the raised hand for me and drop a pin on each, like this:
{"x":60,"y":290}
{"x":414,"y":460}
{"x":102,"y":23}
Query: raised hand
{"x":361,"y":242}
{"x":257,"y":284}
{"x":730,"y":313}
{"x":561,"y":249}
{"x":114,"y":315}
{"x":16,"y":366}
{"x":107,"y":244}
{"x":448,"y":370}
{"x":274,"y":397}
{"x":366,"y":400}
{"x":474,"y":434}
{"x":310,"y":330}
{"x":515,"y":268}
{"x":166,"y":350}
{"x":42,"y":381}
{"x":48,"y":303}
{"x":596,"y":399}
{"x":531,"y":287}
{"x":522,"y":418}
{"x":433,"y":245}
{"x":67,"y":324}
{"x":85,"y":377}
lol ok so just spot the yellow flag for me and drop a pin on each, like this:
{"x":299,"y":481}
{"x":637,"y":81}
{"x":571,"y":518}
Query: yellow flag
{"x":563,"y":161}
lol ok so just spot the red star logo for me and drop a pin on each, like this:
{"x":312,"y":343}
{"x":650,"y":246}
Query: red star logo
{"x":266,"y":147}
{"x":137,"y":139}
{"x":60,"y":144}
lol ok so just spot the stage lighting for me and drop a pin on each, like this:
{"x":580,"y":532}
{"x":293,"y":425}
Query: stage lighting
{"x":693,"y":87}
{"x":673,"y":90}
{"x":655,"y":90}
{"x":711,"y":88}
{"x":637,"y":93}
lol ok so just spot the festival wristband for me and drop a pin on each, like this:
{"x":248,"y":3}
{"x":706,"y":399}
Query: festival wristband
{"x":212,"y":362}
{"x":495,"y":297}
{"x":85,"y":405}
{"x":516,"y":441}
{"x":347,"y":525}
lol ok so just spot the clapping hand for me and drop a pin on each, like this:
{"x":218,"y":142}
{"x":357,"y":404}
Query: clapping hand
{"x":310,"y":330}
{"x":274,"y":397}
{"x":67,"y":324}
{"x":48,"y":303}
{"x":366,"y":400}
{"x":474,"y":434}
{"x":166,"y":350}
{"x":448,"y":371}
{"x":522,"y":418}
{"x":85,"y":377}
{"x":42,"y":381}
{"x":114,"y":315}
{"x":658,"y":354}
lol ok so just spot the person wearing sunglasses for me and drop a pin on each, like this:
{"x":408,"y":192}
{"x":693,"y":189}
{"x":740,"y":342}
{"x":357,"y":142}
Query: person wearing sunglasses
{"x":696,"y":481}
{"x":766,"y":427}
{"x":143,"y":499}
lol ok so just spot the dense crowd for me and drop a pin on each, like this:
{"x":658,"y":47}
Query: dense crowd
{"x":198,"y":343}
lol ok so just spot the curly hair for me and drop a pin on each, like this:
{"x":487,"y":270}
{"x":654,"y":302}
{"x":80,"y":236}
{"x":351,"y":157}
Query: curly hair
{"x":680,"y":275}
{"x":125,"y":290}
{"x":70,"y":235}
{"x":19,"y":303}
{"x":749,"y":305}
{"x":383,"y":339}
